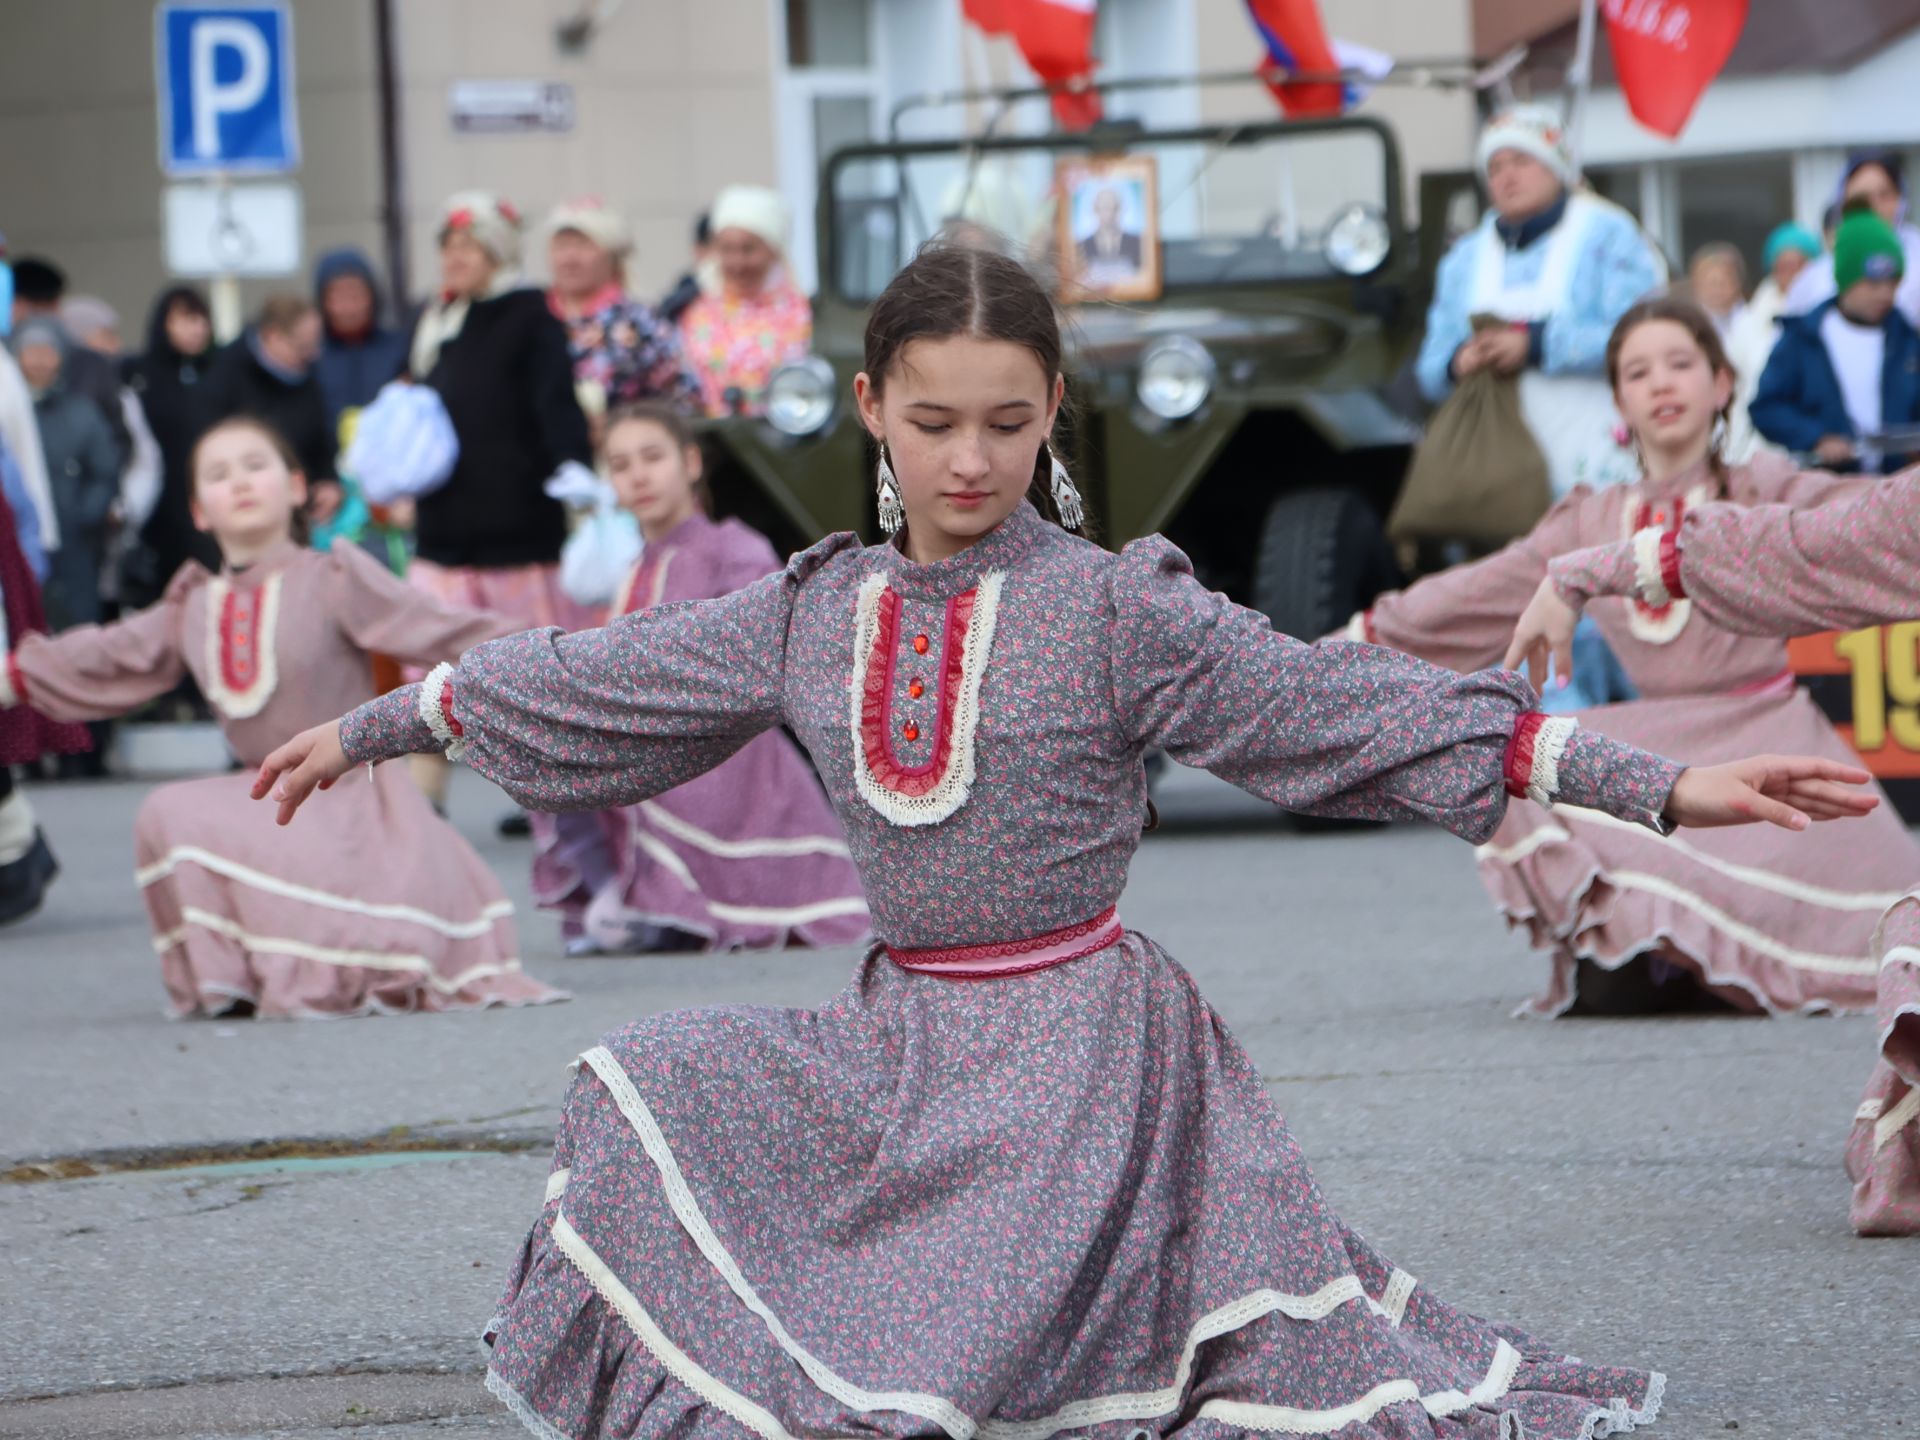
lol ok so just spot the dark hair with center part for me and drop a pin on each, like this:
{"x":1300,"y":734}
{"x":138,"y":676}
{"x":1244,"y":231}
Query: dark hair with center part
{"x":1692,"y":318}
{"x":949,"y":290}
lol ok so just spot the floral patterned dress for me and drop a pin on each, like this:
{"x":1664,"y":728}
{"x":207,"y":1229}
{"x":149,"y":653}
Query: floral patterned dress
{"x":1017,"y":1179}
{"x":1780,"y":571}
{"x":736,"y":342}
{"x":631,"y":353}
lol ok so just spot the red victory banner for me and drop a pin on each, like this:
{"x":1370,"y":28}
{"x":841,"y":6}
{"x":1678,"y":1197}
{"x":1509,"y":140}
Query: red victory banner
{"x":1055,"y":39}
{"x":1666,"y":53}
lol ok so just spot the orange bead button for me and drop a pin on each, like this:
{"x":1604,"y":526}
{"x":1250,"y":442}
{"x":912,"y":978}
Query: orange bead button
{"x":916,"y":689}
{"x":911,"y":731}
{"x":920,"y":643}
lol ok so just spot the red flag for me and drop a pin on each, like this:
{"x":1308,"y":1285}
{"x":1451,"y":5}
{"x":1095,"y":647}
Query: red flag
{"x":1055,"y":39}
{"x":1666,"y":53}
{"x":1297,"y":41}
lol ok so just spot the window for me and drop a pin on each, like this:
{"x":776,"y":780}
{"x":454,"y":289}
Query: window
{"x":1736,"y":200}
{"x":829,"y":34}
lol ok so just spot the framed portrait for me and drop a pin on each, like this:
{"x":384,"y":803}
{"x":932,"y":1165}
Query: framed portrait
{"x":1108,"y":242}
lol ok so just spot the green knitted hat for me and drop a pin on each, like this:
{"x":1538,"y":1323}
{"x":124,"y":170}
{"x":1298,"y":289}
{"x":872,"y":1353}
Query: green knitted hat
{"x":1866,"y":249}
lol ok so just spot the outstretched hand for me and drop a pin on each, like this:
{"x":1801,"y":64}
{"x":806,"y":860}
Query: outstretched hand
{"x":1545,"y":633}
{"x":311,"y":761}
{"x":1790,"y":791}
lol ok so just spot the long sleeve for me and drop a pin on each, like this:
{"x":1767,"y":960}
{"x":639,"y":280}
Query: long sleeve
{"x":604,"y":718}
{"x":1448,"y":323}
{"x":95,"y":672}
{"x":1775,"y":570}
{"x":1617,"y":268}
{"x":1777,"y":409}
{"x":22,"y":435}
{"x":382,"y":613}
{"x":1353,"y":731}
{"x":1463,"y":618}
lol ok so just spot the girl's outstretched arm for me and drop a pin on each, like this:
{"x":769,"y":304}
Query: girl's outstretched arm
{"x":1362,"y":732}
{"x":95,"y":672}
{"x":595,"y":720}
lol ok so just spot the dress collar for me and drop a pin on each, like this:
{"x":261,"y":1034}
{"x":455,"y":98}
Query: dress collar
{"x":691,"y":528}
{"x":1001,"y":548}
{"x":270,"y":561}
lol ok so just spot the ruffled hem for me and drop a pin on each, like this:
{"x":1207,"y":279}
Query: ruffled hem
{"x":1576,"y":906}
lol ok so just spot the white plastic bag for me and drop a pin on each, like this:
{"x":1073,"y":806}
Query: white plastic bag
{"x":605,"y":544}
{"x":403,"y":444}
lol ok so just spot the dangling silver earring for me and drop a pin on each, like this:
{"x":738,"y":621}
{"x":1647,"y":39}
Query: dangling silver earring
{"x":893,"y":513}
{"x":1066,"y":499}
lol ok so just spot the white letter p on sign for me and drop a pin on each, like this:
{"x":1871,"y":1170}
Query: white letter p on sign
{"x":211,"y":98}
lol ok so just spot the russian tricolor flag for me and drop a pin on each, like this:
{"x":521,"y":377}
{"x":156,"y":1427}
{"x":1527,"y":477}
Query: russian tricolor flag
{"x":1296,"y":41}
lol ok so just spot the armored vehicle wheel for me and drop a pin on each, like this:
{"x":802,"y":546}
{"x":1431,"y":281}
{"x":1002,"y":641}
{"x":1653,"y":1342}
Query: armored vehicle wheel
{"x":1323,"y":556}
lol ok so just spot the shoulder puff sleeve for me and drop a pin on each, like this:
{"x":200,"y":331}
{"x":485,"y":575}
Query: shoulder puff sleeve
{"x":95,"y":672}
{"x":1347,"y":731}
{"x":603,"y":718}
{"x":380,"y":612}
{"x":1774,"y":569}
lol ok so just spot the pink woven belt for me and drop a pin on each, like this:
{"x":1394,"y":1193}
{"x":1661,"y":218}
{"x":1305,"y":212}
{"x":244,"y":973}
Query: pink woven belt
{"x":1013,"y":957}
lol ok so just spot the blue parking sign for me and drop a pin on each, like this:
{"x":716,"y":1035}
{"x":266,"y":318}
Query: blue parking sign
{"x":224,"y":76}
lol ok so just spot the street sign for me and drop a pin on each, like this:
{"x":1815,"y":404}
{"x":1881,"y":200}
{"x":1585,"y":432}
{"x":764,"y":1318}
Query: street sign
{"x":510,"y":107}
{"x":249,"y":229}
{"x":225,"y":81}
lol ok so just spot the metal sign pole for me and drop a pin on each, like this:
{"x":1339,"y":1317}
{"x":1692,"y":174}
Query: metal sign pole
{"x":1580,"y":83}
{"x":223,"y":292}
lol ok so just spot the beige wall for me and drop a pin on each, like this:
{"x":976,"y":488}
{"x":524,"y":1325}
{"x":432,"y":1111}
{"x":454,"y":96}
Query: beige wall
{"x":80,"y":175}
{"x":1435,"y":128}
{"x":674,"y":98}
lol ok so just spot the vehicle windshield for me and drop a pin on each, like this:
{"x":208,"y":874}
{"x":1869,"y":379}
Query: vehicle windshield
{"x":1235,"y":205}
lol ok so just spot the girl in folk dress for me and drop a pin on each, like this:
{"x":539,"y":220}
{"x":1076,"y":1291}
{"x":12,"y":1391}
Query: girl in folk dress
{"x":383,"y":906}
{"x":1017,"y":1180}
{"x":746,"y":856}
{"x":1629,"y":922}
{"x":1780,"y":571}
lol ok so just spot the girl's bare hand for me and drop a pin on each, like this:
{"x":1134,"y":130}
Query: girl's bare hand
{"x":311,"y":761}
{"x":1790,"y":791}
{"x":1544,"y":634}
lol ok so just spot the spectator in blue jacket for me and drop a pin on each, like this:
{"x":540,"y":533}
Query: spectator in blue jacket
{"x":1851,"y":368}
{"x":358,"y":352}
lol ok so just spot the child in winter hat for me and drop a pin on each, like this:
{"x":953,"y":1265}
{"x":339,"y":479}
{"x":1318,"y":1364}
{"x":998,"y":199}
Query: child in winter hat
{"x":1867,"y":254}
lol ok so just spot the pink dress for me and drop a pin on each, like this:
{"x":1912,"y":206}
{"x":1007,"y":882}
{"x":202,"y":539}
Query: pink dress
{"x":378,"y":905}
{"x":747,"y":856}
{"x":1765,"y":918}
{"x":1800,"y":572}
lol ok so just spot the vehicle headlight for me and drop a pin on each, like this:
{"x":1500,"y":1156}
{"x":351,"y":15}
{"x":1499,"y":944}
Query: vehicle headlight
{"x":800,"y":396}
{"x":1358,"y":240}
{"x":1176,"y":376}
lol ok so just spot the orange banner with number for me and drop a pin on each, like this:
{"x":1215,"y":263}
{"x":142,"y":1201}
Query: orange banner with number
{"x":1882,"y":665}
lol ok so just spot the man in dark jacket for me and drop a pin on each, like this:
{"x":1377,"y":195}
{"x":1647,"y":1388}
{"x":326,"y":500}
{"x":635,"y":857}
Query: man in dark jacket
{"x":38,"y":288}
{"x":1851,"y":368}
{"x":358,"y":354}
{"x":268,"y":373}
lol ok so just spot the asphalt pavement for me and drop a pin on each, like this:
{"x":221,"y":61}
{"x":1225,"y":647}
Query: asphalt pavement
{"x":1665,"y":1193}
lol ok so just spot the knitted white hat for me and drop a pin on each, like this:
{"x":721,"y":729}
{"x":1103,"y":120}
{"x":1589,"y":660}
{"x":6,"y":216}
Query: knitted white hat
{"x":594,"y":218}
{"x":1532,"y":130}
{"x":491,"y":220}
{"x":752,"y":208}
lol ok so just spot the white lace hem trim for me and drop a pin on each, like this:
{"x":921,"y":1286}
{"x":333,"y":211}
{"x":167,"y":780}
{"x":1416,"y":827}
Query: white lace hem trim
{"x":1648,"y":582}
{"x":1549,"y":748}
{"x":950,"y":792}
{"x":432,"y":709}
{"x":1139,"y":1405}
{"x":557,"y":1184}
{"x":1890,"y":1124}
{"x":163,"y":868}
{"x":395,"y":960}
{"x":522,"y":1409}
{"x":1869,"y":901}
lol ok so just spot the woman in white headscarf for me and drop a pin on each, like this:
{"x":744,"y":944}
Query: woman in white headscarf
{"x":752,"y":318}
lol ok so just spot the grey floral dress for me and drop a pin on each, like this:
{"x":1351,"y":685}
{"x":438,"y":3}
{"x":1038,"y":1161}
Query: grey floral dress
{"x":1017,"y":1180}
